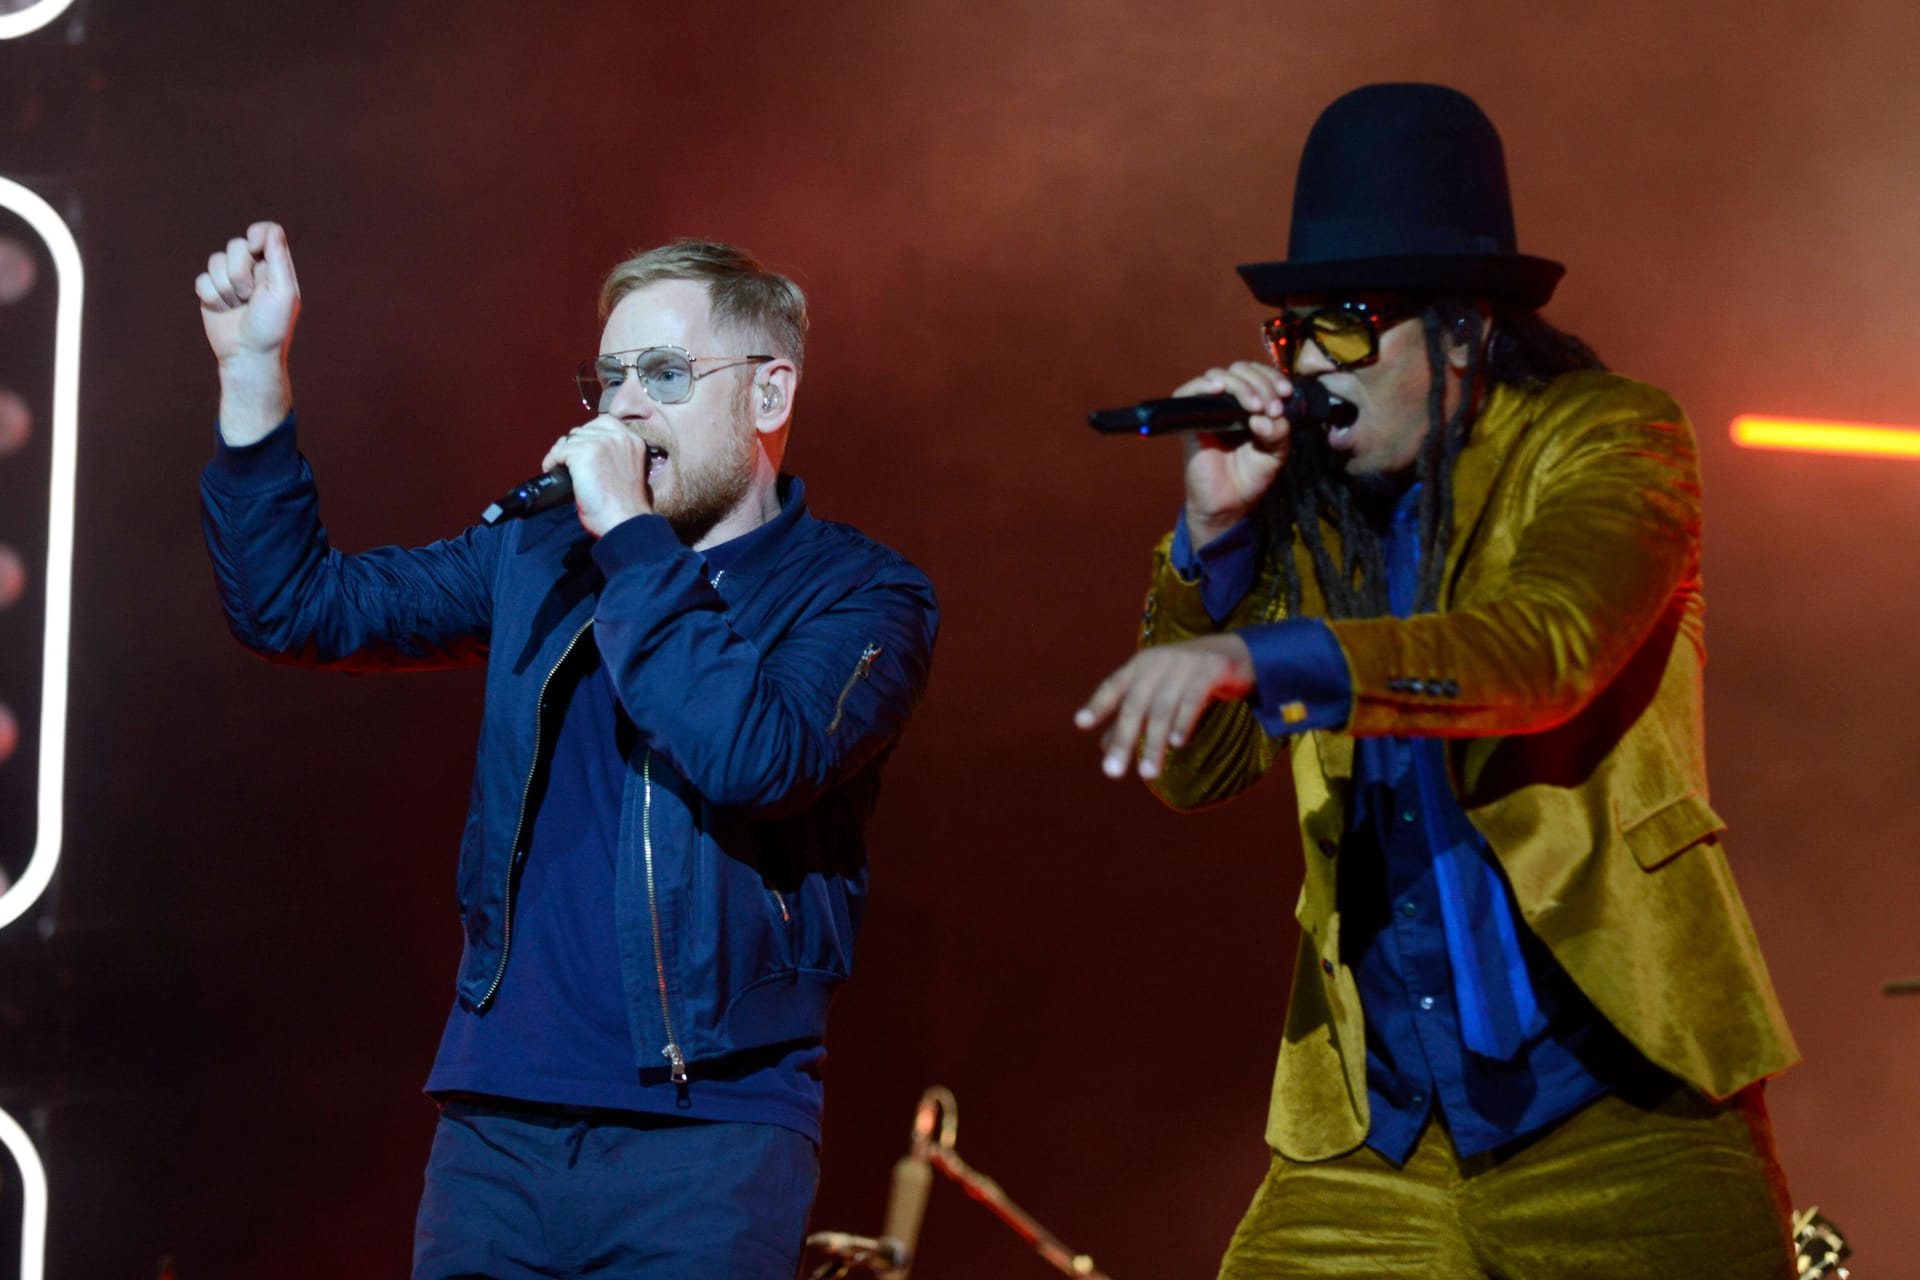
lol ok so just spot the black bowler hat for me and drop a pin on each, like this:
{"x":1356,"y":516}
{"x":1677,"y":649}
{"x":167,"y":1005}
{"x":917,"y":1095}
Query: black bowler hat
{"x":1403,"y":188}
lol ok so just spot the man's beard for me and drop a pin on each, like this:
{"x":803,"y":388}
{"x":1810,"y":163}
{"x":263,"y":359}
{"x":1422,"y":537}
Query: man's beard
{"x":1315,"y":465}
{"x":1375,"y":493}
{"x":701,"y":498}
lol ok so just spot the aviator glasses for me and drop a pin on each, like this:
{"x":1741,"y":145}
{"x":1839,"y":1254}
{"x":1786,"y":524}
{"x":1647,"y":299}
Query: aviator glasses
{"x":1347,"y":333}
{"x":666,"y":374}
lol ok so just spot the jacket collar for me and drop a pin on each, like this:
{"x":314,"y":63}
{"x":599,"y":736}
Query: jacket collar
{"x":1494,"y":434}
{"x":770,"y":539}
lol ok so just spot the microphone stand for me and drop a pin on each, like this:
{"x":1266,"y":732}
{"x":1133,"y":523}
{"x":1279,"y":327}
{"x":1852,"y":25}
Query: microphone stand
{"x":938,"y":1111}
{"x":988,"y":1193}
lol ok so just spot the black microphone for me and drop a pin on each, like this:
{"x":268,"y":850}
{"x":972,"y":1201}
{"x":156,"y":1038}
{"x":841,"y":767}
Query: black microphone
{"x":537,"y":494}
{"x":1311,"y":405}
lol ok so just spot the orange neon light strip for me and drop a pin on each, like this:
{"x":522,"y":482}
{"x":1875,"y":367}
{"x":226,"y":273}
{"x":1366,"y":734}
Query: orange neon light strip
{"x":1811,"y":435}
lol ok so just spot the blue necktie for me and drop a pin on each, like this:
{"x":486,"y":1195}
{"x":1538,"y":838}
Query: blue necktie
{"x":1491,"y":986}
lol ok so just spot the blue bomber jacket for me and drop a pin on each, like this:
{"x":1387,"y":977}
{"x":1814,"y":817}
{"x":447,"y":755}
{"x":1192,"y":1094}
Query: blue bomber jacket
{"x":763,"y":704}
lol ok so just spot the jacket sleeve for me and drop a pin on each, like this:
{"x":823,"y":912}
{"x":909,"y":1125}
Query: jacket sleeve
{"x":1229,"y":751}
{"x":291,"y":598}
{"x":1605,"y":537}
{"x":771,"y":728}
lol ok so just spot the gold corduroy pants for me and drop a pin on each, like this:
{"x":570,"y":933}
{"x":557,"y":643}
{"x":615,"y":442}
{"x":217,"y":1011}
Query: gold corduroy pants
{"x":1615,"y":1192}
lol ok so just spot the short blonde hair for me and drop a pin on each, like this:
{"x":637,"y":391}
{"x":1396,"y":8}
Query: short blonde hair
{"x":748,"y":300}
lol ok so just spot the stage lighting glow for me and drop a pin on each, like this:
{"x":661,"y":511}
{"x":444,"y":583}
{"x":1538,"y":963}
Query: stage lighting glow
{"x":33,"y":1198}
{"x":18,"y":271}
{"x":13,"y":576}
{"x":1812,"y":435}
{"x":57,"y":577}
{"x":16,"y":421}
{"x":24,"y":22}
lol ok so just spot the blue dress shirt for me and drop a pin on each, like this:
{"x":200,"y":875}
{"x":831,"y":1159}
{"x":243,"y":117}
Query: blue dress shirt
{"x":1404,"y":822}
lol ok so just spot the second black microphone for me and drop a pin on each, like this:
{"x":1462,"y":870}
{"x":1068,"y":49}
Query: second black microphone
{"x":537,"y":494}
{"x":1311,"y":405}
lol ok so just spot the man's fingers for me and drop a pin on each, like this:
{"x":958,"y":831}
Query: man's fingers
{"x":572,"y":444}
{"x":1116,"y":744}
{"x":209,"y":294}
{"x":1186,"y":716}
{"x":1269,"y":434}
{"x":558,"y":453}
{"x":1254,"y":396}
{"x":279,"y":258}
{"x":1263,"y":390}
{"x":222,"y":285}
{"x":1152,"y":742}
{"x":1122,"y":740}
{"x":1095,"y":711}
{"x":1137,"y":705}
{"x":240,"y":268}
{"x":1122,"y":725}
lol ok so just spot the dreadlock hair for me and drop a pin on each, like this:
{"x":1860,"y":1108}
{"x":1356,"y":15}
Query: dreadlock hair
{"x":1523,"y":351}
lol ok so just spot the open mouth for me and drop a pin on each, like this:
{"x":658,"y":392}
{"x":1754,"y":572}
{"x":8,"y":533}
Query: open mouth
{"x":1340,"y":438}
{"x":656,"y":462}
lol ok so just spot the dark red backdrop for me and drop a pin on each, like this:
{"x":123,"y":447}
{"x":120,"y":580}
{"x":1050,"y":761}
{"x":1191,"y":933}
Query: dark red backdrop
{"x":1005,"y":216}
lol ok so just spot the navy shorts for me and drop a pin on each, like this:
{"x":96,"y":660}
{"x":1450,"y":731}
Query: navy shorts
{"x":515,"y":1191}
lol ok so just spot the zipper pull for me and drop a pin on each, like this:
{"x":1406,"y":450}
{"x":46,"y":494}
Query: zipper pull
{"x":678,"y":1063}
{"x":861,"y":669}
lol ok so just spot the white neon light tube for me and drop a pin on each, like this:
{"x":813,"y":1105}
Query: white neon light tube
{"x":33,"y":1197}
{"x":70,"y":278}
{"x":30,"y":19}
{"x":39,"y":215}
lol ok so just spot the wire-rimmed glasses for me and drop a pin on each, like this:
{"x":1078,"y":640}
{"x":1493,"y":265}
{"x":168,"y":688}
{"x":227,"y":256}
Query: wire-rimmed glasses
{"x":666,"y":374}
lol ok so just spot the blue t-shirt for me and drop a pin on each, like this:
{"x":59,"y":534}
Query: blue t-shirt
{"x":557,"y":1031}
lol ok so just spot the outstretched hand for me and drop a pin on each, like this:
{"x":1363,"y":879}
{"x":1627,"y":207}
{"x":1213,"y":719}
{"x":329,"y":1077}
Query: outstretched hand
{"x":1156,"y":699}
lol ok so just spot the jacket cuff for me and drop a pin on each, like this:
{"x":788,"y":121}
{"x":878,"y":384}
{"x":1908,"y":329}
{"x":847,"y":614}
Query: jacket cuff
{"x":1301,"y":678}
{"x":640,"y":540}
{"x":273,"y":459}
{"x":1225,"y":567}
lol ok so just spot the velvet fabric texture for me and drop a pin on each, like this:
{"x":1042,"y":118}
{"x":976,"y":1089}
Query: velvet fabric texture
{"x":1683,"y":1187}
{"x":1565,"y":665}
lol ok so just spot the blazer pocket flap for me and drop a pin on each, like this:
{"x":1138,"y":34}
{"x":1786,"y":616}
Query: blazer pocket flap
{"x":1671,"y":829}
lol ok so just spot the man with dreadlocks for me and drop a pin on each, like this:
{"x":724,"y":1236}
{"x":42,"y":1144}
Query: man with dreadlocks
{"x":1530,"y":1022}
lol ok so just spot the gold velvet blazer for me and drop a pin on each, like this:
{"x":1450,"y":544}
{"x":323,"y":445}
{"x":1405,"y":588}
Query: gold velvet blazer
{"x":1565,"y":665}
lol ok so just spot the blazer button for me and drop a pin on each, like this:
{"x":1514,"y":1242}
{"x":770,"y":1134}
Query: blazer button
{"x":1417,"y":687}
{"x":1450,"y":687}
{"x":1326,"y":966}
{"x":1327,"y":846}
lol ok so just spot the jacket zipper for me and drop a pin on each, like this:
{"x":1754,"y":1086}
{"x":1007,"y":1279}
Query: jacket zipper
{"x":675,"y":1059}
{"x":860,"y":670}
{"x":513,"y":864}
